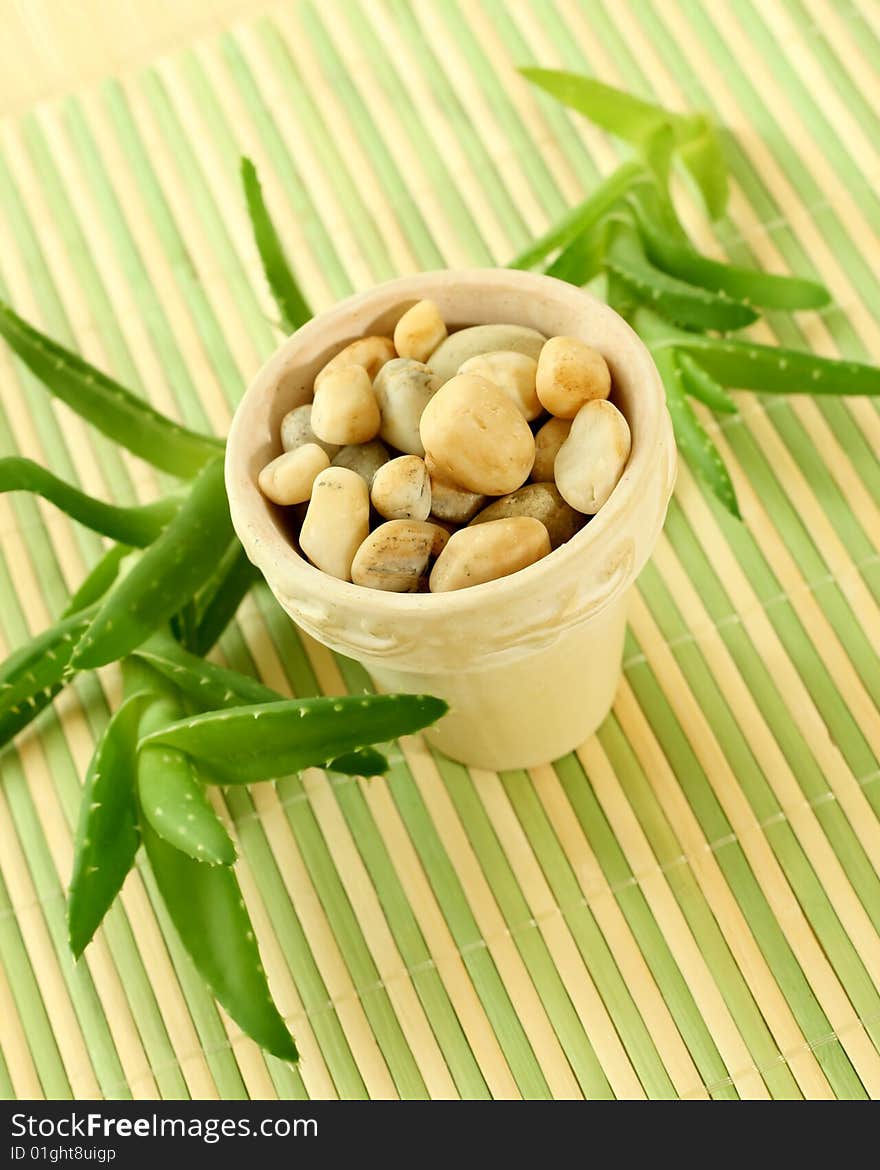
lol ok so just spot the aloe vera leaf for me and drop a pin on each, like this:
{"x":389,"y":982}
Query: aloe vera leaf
{"x":582,"y":259}
{"x":770,"y":290}
{"x":137,"y":526}
{"x":683,"y":303}
{"x":701,"y":153}
{"x":172,"y":796}
{"x":290,"y":301}
{"x":98,"y":580}
{"x":207,"y":909}
{"x":363,"y":762}
{"x":208,"y":686}
{"x":246,"y":744}
{"x":107,"y":836}
{"x":582,"y":217}
{"x":614,"y":110}
{"x":217,"y":603}
{"x":107,"y":405}
{"x":34,"y":674}
{"x":690,"y":436}
{"x":166,"y":576}
{"x":778,"y":371}
{"x":696,"y":382}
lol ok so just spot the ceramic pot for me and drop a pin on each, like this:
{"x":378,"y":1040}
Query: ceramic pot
{"x":529,"y":664}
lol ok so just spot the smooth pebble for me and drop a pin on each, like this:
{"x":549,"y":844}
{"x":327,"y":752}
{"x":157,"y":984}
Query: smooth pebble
{"x":345,"y":409}
{"x":544,"y":502}
{"x":288,"y":479}
{"x":450,"y":503}
{"x":592,"y":458}
{"x":402,"y":489}
{"x":476,"y":437}
{"x":370,"y":352}
{"x":570,"y":373}
{"x":548,"y":440}
{"x":512,"y":372}
{"x":337,"y":521}
{"x":403,"y":389}
{"x":364,"y":458}
{"x":296,"y":430}
{"x":489,"y":551}
{"x":451,"y":354}
{"x":395,"y":555}
{"x":419,"y":331}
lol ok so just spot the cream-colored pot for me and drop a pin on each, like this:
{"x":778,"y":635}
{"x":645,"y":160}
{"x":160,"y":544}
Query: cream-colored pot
{"x":528,"y":664}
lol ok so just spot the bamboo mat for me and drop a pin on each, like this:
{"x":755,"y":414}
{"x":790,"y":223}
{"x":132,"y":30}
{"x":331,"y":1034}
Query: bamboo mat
{"x":689,"y":905}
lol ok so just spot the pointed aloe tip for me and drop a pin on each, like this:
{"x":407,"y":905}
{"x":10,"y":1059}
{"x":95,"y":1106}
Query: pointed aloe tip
{"x":286,"y":1050}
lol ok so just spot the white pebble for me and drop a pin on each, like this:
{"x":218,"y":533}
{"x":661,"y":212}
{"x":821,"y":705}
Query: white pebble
{"x":364,"y":458}
{"x":345,"y":409}
{"x":570,"y":373}
{"x":289,"y":478}
{"x":451,"y":503}
{"x":402,"y":489}
{"x":403,"y":389}
{"x":394,"y":557}
{"x":337,"y":521}
{"x":370,"y":352}
{"x":476,"y":437}
{"x":419,"y":331}
{"x":451,"y":354}
{"x":592,"y":458}
{"x":512,"y":372}
{"x":489,"y":551}
{"x":296,"y":430}
{"x":548,"y":440}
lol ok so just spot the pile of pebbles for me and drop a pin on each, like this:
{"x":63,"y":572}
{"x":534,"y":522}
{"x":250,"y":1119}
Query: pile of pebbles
{"x":435,"y":461}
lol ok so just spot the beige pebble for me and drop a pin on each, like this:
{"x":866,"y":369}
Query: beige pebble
{"x":337,"y":521}
{"x":459,"y":347}
{"x":289,"y":478}
{"x":395,"y":555}
{"x":402,"y":489}
{"x":419,"y":331}
{"x":370,"y":352}
{"x":512,"y":372}
{"x":450,"y":503}
{"x":476,"y":437}
{"x":570,"y":373}
{"x":345,"y":409}
{"x":544,"y":502}
{"x":592,"y":458}
{"x":364,"y":458}
{"x":296,"y":430}
{"x":548,"y":440}
{"x":403,"y":389}
{"x":488,"y":551}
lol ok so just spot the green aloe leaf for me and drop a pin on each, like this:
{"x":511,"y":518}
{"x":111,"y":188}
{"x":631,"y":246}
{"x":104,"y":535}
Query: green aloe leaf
{"x":107,"y":405}
{"x":683,"y":303}
{"x":208,"y":686}
{"x":690,"y":436}
{"x":290,"y":301}
{"x":363,"y":762}
{"x":770,"y":290}
{"x":779,"y":371}
{"x":583,"y":258}
{"x":32,"y":676}
{"x":246,"y":744}
{"x":701,"y":154}
{"x":206,"y":906}
{"x":165,"y":577}
{"x":98,"y":580}
{"x":583,"y":217}
{"x":136,"y":526}
{"x":620,"y":113}
{"x":172,"y":795}
{"x":217,"y":603}
{"x":702,"y":386}
{"x":107,"y":837}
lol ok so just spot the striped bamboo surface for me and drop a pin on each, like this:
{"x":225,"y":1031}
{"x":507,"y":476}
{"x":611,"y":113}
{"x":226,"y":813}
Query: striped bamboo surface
{"x":689,"y":905}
